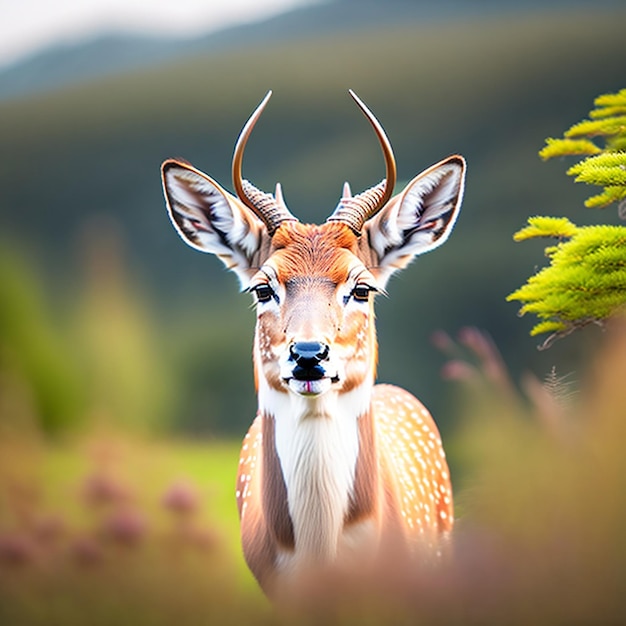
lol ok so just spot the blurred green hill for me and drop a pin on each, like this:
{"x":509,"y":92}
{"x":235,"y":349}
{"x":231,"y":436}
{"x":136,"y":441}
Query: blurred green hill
{"x":115,"y":52}
{"x":491,"y":89}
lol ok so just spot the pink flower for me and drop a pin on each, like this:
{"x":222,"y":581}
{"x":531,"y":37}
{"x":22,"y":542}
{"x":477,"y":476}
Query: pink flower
{"x":100,"y":489}
{"x":125,"y":526}
{"x":181,"y":498}
{"x":15,"y":549}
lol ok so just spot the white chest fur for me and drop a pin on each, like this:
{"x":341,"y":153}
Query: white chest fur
{"x":317,"y":443}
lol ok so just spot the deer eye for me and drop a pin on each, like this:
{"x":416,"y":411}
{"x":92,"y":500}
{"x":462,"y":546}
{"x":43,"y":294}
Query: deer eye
{"x":361,"y":293}
{"x":263,"y":293}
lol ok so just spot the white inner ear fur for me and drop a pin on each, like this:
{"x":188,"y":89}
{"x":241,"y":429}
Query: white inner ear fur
{"x":436,"y":194}
{"x":193,"y":200}
{"x":209,"y":219}
{"x":418,"y":219}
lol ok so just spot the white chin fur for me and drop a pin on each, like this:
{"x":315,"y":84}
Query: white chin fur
{"x":309,"y":387}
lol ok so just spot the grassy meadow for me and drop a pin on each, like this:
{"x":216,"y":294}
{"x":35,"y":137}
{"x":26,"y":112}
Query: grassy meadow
{"x":125,"y":357}
{"x":110,"y":527}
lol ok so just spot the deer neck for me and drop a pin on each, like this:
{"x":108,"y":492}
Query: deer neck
{"x":319,"y":445}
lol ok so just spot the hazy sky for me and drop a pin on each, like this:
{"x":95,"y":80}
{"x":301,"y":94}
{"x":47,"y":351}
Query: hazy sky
{"x":27,"y":25}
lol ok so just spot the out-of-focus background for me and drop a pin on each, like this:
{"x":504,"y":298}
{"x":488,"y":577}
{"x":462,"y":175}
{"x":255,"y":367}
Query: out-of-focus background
{"x":109,"y":324}
{"x":133,"y":318}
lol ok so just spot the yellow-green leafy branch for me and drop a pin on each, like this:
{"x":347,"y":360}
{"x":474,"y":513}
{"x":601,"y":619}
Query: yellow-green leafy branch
{"x":585,"y":281}
{"x":602,"y":139}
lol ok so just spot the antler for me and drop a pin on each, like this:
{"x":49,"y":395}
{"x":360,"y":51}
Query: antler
{"x":271,"y":209}
{"x":356,"y":210}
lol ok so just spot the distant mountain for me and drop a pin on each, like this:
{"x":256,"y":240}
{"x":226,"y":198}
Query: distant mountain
{"x":63,"y":65}
{"x":66,"y":64}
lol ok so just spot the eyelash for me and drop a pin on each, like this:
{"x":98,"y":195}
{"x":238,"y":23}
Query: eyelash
{"x":361,"y":293}
{"x":263,"y":293}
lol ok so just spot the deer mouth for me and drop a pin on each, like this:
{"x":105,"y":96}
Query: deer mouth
{"x":311,"y":384}
{"x":307,"y":369}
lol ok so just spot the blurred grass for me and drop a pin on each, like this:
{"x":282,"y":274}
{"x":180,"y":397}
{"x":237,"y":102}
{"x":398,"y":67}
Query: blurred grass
{"x":60,"y":527}
{"x":539,"y":539}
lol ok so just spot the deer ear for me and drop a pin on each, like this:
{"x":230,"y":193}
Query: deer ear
{"x":210,"y":219}
{"x":419,"y":218}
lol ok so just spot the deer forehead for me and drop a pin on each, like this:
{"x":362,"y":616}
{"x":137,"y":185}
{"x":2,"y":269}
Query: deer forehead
{"x":308,"y":254}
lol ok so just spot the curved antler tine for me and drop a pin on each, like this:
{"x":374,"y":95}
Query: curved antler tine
{"x":355,"y":211}
{"x":385,"y":144}
{"x":271,"y":210}
{"x":240,"y":147}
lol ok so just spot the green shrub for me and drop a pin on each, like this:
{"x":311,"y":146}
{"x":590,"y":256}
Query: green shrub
{"x":586,"y":279}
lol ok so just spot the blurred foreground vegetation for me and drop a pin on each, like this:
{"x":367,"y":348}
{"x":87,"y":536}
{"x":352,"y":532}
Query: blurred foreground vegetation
{"x":114,"y":528}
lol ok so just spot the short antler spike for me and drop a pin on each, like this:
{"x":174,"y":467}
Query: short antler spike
{"x":356,"y":210}
{"x":272,"y":210}
{"x":278,"y":194}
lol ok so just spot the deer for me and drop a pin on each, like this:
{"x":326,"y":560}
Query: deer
{"x":334,"y":469}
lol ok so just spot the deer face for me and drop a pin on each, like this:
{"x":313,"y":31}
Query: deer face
{"x":315,"y":327}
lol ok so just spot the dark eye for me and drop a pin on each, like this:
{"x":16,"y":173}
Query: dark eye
{"x":361,"y":293}
{"x":264,"y":293}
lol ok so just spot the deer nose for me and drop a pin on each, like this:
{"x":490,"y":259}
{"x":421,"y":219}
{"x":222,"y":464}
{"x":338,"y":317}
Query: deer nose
{"x":308,"y":355}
